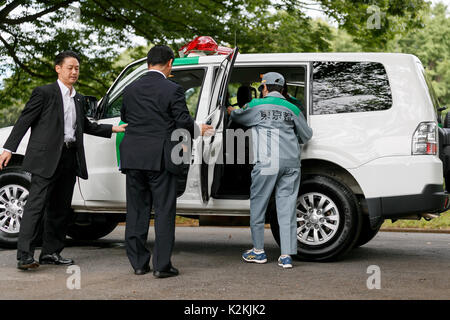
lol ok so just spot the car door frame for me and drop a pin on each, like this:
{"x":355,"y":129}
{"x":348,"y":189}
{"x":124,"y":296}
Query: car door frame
{"x":206,"y":179}
{"x":89,"y":185}
{"x":211,"y":146}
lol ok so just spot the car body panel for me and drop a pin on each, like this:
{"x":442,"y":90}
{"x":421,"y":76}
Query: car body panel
{"x":374,"y":147}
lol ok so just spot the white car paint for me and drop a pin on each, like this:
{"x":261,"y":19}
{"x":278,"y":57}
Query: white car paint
{"x":374,"y":147}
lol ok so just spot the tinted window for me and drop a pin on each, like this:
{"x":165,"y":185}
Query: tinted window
{"x":192,"y":82}
{"x":295,"y":77}
{"x":129,"y":70}
{"x":113,"y":109}
{"x":340,"y":87}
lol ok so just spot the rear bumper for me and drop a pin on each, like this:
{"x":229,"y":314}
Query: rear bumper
{"x":433,"y":199}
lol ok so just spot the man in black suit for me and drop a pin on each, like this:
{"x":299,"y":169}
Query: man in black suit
{"x":153,"y":107}
{"x":54,"y":157}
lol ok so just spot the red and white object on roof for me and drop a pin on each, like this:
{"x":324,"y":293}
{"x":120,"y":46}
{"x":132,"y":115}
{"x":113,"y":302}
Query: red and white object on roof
{"x":203,"y":46}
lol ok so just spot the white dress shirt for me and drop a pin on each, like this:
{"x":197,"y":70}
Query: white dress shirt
{"x":154,"y":70}
{"x":70,"y":114}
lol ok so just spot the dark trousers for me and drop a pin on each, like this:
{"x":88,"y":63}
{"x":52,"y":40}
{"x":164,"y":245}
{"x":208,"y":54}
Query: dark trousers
{"x":48,"y":205}
{"x":144,"y":189}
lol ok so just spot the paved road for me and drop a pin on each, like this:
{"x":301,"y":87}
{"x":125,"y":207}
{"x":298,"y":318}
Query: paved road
{"x":412,"y":266}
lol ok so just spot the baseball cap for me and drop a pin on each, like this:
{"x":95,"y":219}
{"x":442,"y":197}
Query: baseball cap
{"x":271,"y":78}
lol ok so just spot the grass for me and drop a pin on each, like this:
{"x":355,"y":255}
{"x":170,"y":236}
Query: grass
{"x":441,"y":223}
{"x":186,"y":221}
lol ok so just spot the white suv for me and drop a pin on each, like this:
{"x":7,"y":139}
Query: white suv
{"x":374,"y":154}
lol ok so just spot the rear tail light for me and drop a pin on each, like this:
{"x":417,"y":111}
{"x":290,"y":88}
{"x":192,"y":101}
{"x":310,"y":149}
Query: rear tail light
{"x":425,"y":139}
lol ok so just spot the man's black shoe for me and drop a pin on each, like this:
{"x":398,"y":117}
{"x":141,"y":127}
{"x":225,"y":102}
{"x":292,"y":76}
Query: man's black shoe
{"x":172,"y":272}
{"x":140,"y":272}
{"x":27,"y":263}
{"x":55,"y":258}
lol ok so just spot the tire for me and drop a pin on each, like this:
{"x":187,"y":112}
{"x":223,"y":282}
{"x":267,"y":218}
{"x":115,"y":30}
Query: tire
{"x":367,"y":233}
{"x":14,"y":189}
{"x":338,"y":226}
{"x":88,"y":227}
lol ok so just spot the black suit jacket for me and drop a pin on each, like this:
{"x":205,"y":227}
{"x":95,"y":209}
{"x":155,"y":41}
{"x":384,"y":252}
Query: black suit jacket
{"x":153,"y":107}
{"x":44,"y":114}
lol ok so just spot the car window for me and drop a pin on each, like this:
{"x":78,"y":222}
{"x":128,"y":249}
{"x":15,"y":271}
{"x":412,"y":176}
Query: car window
{"x":249,"y":79}
{"x":113,"y":109}
{"x":340,"y":87}
{"x":190,"y":79}
{"x":192,"y":82}
{"x":136,"y":67}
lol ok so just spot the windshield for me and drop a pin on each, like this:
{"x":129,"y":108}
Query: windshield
{"x":128,"y":75}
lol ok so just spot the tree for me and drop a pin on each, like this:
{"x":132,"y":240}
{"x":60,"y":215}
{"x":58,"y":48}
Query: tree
{"x":432,"y":46}
{"x":285,"y":31}
{"x":32,"y":32}
{"x":33,"y":35}
{"x":372,"y":24}
{"x":344,"y":42}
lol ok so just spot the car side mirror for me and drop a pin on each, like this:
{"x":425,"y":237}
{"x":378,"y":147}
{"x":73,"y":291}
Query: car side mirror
{"x":90,"y":108}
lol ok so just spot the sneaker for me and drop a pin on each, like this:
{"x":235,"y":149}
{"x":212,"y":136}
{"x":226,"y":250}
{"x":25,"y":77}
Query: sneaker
{"x":252,"y":256}
{"x":285,"y":262}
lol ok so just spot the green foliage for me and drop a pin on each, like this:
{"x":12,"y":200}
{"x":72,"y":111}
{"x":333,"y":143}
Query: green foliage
{"x":32,"y":36}
{"x":429,"y":43}
{"x":343,"y":42}
{"x":441,"y":223}
{"x":360,"y":19}
{"x":34,"y":31}
{"x":285,"y":31}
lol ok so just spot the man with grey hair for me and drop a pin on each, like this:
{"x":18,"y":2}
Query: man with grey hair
{"x":278,"y":129}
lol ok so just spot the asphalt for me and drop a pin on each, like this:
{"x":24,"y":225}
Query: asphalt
{"x":411,"y":266}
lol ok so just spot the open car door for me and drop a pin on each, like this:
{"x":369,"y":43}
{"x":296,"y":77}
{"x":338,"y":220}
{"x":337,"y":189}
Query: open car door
{"x":212,"y":145}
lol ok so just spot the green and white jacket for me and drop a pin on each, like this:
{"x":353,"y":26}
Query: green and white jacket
{"x":278,"y":130}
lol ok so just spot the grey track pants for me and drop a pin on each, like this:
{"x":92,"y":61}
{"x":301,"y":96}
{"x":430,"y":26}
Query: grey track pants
{"x":286,"y":182}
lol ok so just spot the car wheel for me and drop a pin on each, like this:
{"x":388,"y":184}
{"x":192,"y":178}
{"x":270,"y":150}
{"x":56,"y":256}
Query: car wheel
{"x":88,"y":227}
{"x":328,"y":219}
{"x":14,"y":190}
{"x":367,"y":233}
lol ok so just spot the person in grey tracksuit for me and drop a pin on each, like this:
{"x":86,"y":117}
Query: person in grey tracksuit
{"x":278,"y":130}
